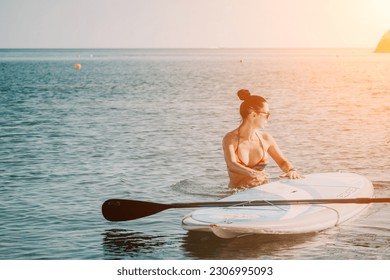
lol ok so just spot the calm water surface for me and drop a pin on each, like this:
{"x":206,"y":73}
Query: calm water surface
{"x":148,"y":124}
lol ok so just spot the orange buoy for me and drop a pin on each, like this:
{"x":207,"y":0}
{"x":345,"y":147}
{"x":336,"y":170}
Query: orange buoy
{"x":77,"y":66}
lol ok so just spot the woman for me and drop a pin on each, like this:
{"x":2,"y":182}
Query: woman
{"x":246,"y":148}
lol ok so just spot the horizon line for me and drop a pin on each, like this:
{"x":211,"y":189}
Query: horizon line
{"x":173,"y":48}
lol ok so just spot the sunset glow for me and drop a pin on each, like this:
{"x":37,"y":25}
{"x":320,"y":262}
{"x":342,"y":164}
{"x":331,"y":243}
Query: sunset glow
{"x":189,"y":24}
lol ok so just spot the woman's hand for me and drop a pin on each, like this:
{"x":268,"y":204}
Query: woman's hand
{"x":292,"y":174}
{"x":259,"y":177}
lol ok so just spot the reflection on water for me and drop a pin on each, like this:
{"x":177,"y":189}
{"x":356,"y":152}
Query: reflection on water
{"x":203,"y":245}
{"x":128,"y":244}
{"x":120,"y":243}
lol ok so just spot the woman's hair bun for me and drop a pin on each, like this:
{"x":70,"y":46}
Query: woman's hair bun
{"x":243,"y":94}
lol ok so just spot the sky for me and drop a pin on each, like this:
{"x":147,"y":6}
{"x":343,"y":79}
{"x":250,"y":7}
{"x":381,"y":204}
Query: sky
{"x":193,"y":23}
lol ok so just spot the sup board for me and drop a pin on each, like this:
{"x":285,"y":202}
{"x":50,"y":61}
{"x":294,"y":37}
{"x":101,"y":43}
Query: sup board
{"x":238,"y":220}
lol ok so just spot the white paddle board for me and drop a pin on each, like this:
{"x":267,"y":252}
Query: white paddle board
{"x":234,"y":221}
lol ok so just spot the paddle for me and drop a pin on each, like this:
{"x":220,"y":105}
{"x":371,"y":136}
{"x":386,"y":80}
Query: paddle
{"x":116,"y":210}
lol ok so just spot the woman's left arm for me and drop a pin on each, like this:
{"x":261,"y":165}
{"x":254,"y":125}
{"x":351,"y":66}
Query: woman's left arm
{"x":280,"y":159}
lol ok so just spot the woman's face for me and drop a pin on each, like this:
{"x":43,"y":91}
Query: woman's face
{"x":262,"y":116}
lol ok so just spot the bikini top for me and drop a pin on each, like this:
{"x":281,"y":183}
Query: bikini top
{"x":261,"y":164}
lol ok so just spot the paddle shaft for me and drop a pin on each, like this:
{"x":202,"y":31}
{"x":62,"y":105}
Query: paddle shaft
{"x":362,"y":200}
{"x":124,"y":210}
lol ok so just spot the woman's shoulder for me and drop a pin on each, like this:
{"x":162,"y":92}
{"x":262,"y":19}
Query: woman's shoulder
{"x":231,"y":136}
{"x":266,"y":136}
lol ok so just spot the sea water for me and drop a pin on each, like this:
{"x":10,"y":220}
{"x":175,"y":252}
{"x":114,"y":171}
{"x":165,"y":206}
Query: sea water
{"x":148,"y":124}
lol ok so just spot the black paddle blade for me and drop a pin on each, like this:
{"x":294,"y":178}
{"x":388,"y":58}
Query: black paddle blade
{"x":117,"y":210}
